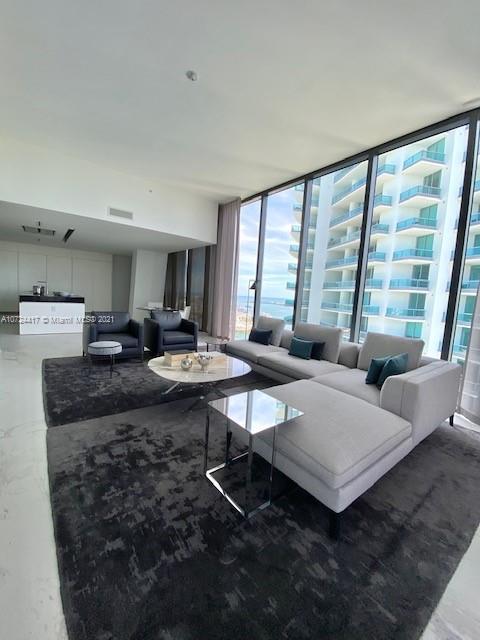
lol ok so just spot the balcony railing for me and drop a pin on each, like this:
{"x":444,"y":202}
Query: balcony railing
{"x":337,"y":306}
{"x":409,"y":283}
{"x":413,"y":253}
{"x":334,"y":242}
{"x":424,"y":154}
{"x":290,"y":285}
{"x":343,"y":172}
{"x":395,"y":312}
{"x":422,"y":223}
{"x":474,"y":219}
{"x":296,"y":228}
{"x":288,"y":302}
{"x":358,"y":184}
{"x":465,"y":318}
{"x":341,"y":262}
{"x":468,"y":284}
{"x":371,"y":309}
{"x":386,"y":168}
{"x":379,"y":227}
{"x":340,"y":284}
{"x":380,"y":199}
{"x":460,"y":349}
{"x":421,"y":190}
{"x":373,"y":283}
{"x":377,"y":256}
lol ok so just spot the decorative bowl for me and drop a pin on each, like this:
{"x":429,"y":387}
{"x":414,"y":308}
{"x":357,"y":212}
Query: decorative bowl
{"x":203,"y":360}
{"x":186,"y":364}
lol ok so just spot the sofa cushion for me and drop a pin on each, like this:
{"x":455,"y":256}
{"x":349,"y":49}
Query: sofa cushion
{"x":275,"y":324}
{"x":301,"y":348}
{"x":394,"y":366}
{"x":125,"y":339}
{"x":349,"y":354}
{"x":335,"y":446}
{"x":331,"y":336}
{"x":249,"y":350}
{"x":351,"y":381}
{"x":262,"y":336}
{"x":286,"y":340}
{"x":377,"y":345}
{"x":375,"y":369}
{"x":297,"y":367}
{"x":177,"y":337}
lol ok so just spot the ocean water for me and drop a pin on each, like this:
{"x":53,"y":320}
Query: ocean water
{"x":274,"y":307}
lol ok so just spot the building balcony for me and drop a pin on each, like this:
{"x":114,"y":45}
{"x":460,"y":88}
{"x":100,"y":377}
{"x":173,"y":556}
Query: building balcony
{"x":357,"y":188}
{"x":413,"y":256}
{"x":420,"y":196}
{"x":384,"y":172}
{"x":370,"y":310}
{"x":379,"y":229}
{"x":381,"y":202}
{"x":464,"y":319}
{"x":469,"y":287}
{"x":291,"y":285}
{"x":341,"y":262}
{"x":373,"y":283}
{"x":292,"y":267}
{"x":473,"y":255}
{"x":460,"y":350}
{"x":340,"y":175}
{"x":416,"y":226}
{"x":376,"y":256}
{"x":349,"y":239}
{"x":340,"y":284}
{"x":288,"y":302}
{"x":396,"y":312}
{"x":338,"y":307}
{"x":423,"y":162}
{"x":408,"y":284}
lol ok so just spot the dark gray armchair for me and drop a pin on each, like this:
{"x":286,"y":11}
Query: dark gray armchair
{"x":117,"y":326}
{"x":168,"y":331}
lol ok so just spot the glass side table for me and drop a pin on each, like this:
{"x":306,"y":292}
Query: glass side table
{"x":254,"y":412}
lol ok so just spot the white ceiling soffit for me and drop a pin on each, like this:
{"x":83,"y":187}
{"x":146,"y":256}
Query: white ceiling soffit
{"x":89,"y":234}
{"x":283,"y":87}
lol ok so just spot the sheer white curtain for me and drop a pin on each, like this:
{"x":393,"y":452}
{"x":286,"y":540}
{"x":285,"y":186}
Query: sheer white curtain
{"x":226,"y":263}
{"x":470,"y":392}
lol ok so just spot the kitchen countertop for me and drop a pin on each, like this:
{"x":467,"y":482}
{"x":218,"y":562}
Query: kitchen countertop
{"x":48,"y":298}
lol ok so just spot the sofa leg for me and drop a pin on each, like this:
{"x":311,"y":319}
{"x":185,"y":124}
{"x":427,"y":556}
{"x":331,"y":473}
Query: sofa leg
{"x":334,"y":526}
{"x":451,"y":421}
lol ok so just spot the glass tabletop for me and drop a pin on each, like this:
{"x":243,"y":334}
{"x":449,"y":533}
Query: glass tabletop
{"x":255,"y":411}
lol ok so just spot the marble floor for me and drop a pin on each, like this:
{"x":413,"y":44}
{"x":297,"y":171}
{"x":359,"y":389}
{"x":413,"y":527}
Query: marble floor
{"x":30,"y":606}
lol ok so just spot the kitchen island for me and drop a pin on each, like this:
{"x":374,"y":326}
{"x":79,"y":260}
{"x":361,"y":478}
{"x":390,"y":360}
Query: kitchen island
{"x":50,"y":314}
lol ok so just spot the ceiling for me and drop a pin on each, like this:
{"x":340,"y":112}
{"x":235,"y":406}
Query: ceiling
{"x":284,"y":87}
{"x":90,"y":234}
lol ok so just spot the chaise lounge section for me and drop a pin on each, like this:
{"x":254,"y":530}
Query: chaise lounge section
{"x":351,"y":432}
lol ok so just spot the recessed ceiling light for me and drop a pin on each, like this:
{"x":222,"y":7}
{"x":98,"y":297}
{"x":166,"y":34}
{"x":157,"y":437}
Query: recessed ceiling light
{"x":192,"y":75}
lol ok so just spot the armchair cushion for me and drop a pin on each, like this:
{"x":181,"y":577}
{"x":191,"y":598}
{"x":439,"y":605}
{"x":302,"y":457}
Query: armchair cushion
{"x":115,"y":321}
{"x":168,"y":320}
{"x":177,"y":337}
{"x":125,"y":339}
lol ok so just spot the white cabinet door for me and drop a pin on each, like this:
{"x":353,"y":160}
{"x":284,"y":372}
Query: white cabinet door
{"x":59,"y":273}
{"x":32,"y":267}
{"x":8,"y":280}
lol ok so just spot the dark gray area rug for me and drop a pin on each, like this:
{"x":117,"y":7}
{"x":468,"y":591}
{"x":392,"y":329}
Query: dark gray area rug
{"x":72,"y":391}
{"x":149,"y":550}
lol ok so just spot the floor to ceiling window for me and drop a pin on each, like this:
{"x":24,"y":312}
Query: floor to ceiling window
{"x":413,"y":234}
{"x":247,"y":267}
{"x":282,"y":246}
{"x":332,"y":249}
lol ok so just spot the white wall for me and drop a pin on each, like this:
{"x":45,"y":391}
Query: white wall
{"x":40,"y":177}
{"x":85,"y":273}
{"x":147,"y":281}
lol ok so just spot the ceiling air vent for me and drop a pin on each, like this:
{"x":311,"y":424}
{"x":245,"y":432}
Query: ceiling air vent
{"x":119,"y":213}
{"x":38,"y":230}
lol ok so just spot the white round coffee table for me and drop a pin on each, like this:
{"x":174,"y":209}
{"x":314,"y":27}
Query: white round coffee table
{"x":108,"y":348}
{"x":221,"y":367}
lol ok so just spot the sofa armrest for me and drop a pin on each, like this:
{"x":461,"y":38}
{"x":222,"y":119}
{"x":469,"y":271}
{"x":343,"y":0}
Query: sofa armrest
{"x":136,"y":329}
{"x":89,"y":334}
{"x":189,"y":326}
{"x":348,"y":355}
{"x":425,"y":396}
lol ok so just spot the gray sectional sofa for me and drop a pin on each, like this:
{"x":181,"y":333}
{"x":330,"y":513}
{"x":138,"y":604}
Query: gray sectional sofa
{"x":351,"y":433}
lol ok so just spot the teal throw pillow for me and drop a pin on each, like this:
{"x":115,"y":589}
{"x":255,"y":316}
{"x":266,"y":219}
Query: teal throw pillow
{"x":393,"y":367}
{"x":301,"y":348}
{"x":375,"y":369}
